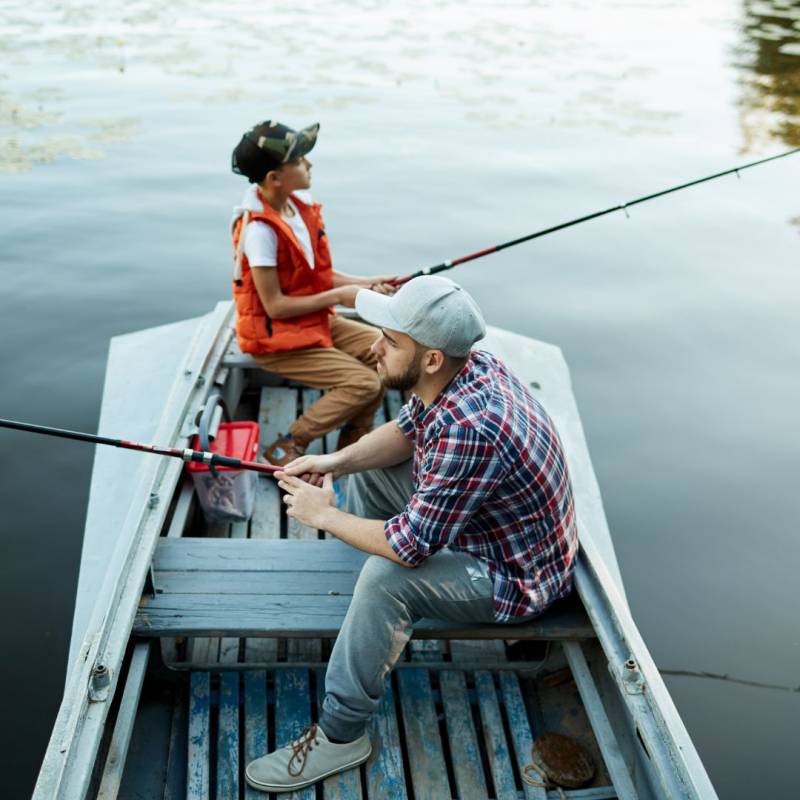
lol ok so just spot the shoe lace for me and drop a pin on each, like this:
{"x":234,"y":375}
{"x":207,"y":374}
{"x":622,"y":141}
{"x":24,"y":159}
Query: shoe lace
{"x":301,"y":747}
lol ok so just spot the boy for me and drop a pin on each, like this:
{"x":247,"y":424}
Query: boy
{"x":286,"y":288}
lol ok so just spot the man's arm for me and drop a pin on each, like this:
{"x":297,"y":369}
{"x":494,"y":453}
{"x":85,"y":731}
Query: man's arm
{"x":383,"y":447}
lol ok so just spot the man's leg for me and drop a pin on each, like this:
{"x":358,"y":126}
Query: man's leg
{"x":380,"y":493}
{"x":387,"y":600}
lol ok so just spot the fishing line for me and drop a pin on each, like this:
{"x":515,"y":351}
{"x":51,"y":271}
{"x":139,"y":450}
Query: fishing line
{"x":445,"y":265}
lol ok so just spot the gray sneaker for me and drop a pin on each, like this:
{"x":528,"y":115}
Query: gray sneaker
{"x":308,"y":759}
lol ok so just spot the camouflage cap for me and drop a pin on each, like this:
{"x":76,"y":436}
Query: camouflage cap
{"x":268,"y":145}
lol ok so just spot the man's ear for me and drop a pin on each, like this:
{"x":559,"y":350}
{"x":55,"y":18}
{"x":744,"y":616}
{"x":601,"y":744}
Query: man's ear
{"x":434,"y":359}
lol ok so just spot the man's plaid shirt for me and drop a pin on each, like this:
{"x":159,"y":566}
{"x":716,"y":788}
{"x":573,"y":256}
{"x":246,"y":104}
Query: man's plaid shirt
{"x":491,"y":480}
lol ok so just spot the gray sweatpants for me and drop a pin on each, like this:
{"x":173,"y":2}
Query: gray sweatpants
{"x":387,"y":600}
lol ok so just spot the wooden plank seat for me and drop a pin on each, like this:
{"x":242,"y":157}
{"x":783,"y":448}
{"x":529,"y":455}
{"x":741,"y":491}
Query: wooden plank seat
{"x":291,"y":589}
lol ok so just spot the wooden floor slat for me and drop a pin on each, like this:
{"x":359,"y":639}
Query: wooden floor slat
{"x":463,"y":741}
{"x":292,"y":714}
{"x":228,"y":736}
{"x":384,"y":768}
{"x":494,"y":737}
{"x":423,"y":742}
{"x":521,"y":734}
{"x":305,"y":649}
{"x":346,"y":785}
{"x":255,"y":723}
{"x":408,"y":749}
{"x":198,"y":756}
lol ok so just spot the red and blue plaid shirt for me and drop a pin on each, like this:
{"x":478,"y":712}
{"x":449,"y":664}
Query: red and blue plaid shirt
{"x":490,"y":480}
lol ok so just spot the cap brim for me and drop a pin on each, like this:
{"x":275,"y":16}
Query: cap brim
{"x":374,"y":308}
{"x":306,"y":139}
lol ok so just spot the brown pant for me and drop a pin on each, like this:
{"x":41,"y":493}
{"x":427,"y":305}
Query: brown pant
{"x":345,"y":371}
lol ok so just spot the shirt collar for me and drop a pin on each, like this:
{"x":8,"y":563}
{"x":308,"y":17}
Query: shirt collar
{"x":420,"y":413}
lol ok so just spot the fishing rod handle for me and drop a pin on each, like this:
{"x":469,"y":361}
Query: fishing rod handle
{"x":216,"y":460}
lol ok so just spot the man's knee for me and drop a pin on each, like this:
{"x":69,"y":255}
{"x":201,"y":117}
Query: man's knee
{"x":379,"y":574}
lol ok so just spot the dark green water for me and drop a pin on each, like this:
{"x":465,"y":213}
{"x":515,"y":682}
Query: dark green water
{"x":443,"y":131}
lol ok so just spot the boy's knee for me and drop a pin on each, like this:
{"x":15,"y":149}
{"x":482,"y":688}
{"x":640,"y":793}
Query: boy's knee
{"x":366,"y":385}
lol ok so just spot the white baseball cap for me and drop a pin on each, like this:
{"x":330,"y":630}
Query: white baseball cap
{"x":433,"y":311}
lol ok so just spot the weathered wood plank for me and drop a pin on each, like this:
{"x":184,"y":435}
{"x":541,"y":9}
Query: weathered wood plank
{"x":202,"y":650}
{"x":346,"y":785}
{"x":296,"y":529}
{"x":312,"y":617}
{"x":311,"y":649}
{"x":279,"y":584}
{"x":276,"y":411}
{"x":198,"y":760}
{"x":426,"y":759}
{"x":292,"y":713}
{"x":607,"y":741}
{"x":255,"y":723}
{"x":229,"y":646}
{"x":384,"y":768}
{"x":494,"y":737}
{"x":492,"y":652}
{"x":425,"y":650}
{"x":461,"y":736}
{"x":521,"y":734}
{"x":177,"y":526}
{"x":175,"y":780}
{"x":228,"y":736}
{"x":123,"y":726}
{"x":249,"y":555}
{"x":266,"y":520}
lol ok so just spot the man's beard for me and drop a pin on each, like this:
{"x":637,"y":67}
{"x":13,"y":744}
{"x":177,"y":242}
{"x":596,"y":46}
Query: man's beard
{"x":407,"y":380}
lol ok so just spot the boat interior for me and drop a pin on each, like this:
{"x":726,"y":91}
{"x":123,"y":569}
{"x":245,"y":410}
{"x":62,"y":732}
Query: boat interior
{"x":229,"y":647}
{"x":208,"y":643}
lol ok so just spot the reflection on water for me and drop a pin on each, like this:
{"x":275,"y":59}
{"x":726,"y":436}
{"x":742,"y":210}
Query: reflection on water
{"x":770,"y":59}
{"x":502,"y":66}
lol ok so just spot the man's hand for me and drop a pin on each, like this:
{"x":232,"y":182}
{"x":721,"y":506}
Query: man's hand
{"x":306,"y":503}
{"x":312,"y":469}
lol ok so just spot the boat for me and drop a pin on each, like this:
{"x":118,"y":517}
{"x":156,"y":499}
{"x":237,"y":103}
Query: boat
{"x":198,"y":645}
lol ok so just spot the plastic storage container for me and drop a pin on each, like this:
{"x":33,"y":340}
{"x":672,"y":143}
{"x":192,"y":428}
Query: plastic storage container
{"x":229,"y":495}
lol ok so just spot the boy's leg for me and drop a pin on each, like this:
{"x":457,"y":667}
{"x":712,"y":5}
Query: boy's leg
{"x":387,"y":600}
{"x":351,"y":387}
{"x":356,"y":339}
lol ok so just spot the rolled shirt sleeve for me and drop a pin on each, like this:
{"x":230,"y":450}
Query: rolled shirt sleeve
{"x":460,"y":469}
{"x":405,"y":419}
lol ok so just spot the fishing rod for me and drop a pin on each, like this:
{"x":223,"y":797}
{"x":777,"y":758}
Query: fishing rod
{"x":445,"y":265}
{"x":186,"y":454}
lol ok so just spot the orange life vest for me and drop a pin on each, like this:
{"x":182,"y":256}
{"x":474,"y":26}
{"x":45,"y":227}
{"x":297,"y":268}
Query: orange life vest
{"x":256,"y":331}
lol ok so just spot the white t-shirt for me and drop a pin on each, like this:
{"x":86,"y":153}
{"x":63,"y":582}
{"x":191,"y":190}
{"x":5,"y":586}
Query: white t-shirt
{"x":261,"y":241}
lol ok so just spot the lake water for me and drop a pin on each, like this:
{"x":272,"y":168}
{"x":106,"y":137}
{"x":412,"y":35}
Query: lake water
{"x":446,"y":127}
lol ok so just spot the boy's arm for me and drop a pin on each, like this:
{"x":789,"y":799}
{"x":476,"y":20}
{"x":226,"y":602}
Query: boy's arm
{"x":282,"y":306}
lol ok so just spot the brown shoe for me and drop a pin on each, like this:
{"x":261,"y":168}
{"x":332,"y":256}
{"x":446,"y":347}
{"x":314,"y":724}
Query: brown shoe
{"x":283,"y":450}
{"x":349,"y":435}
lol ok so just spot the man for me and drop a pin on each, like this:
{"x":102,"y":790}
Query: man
{"x":478,"y":527}
{"x":286,"y":287}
